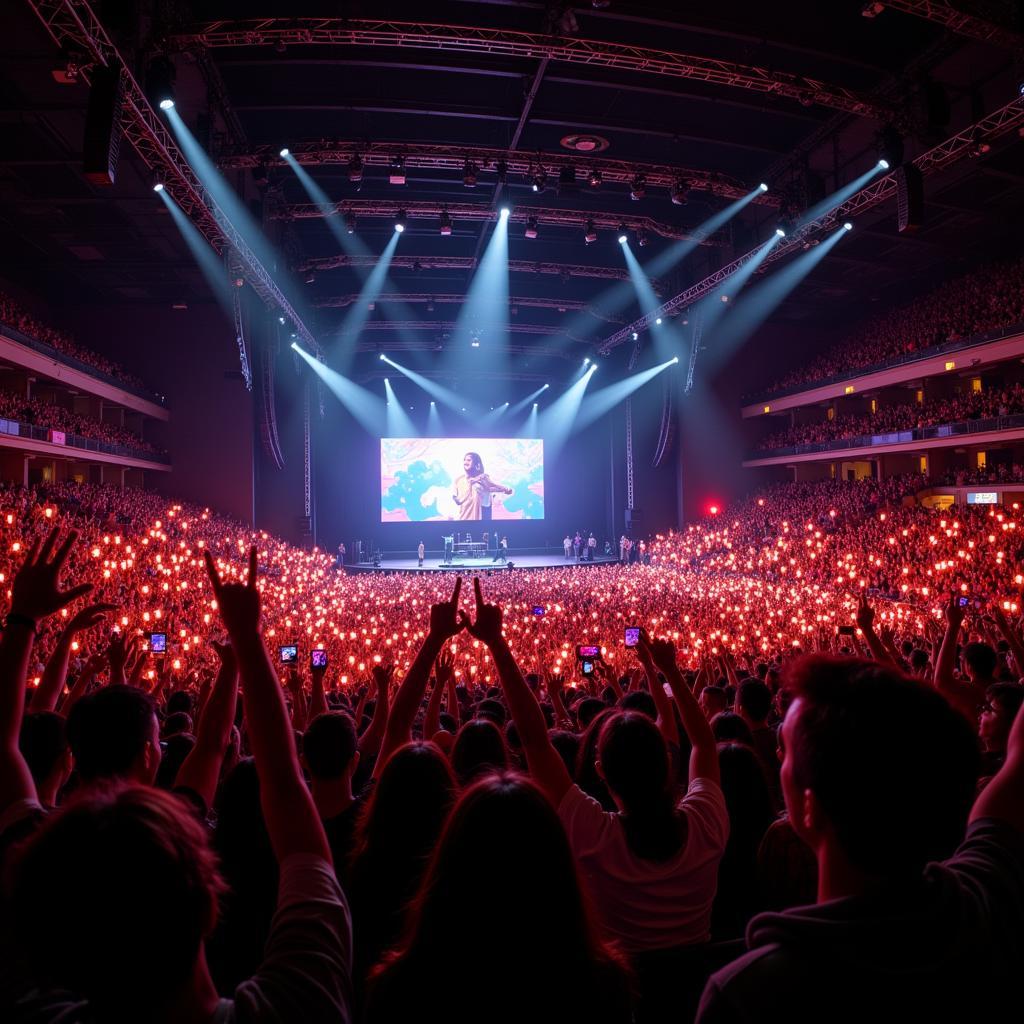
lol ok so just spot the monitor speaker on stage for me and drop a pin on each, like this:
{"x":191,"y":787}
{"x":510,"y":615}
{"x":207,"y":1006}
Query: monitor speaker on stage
{"x":101,"y":146}
{"x":634,"y":521}
{"x":909,"y":198}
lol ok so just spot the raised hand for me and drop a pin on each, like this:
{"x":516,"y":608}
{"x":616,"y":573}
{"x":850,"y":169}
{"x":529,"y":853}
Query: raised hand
{"x":954,"y":612}
{"x":36,"y":592}
{"x":226,"y":654}
{"x":383,"y":676}
{"x":662,"y":653}
{"x":444,"y":668}
{"x":239,"y":603}
{"x":446,"y":619}
{"x":86,"y":618}
{"x":865,"y":613}
{"x":487,"y":626}
{"x":118,"y":653}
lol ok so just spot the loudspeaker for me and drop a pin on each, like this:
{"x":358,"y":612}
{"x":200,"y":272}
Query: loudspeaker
{"x":102,"y":144}
{"x":909,"y":197}
{"x":634,"y":521}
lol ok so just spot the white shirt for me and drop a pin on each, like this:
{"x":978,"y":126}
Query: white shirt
{"x":647,"y":904}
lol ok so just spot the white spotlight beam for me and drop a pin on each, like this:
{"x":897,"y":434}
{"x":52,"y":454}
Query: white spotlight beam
{"x":1000,"y":122}
{"x":596,"y":405}
{"x":367,"y":408}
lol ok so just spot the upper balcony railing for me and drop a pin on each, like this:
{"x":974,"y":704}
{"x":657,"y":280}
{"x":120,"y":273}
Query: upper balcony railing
{"x":13,"y":428}
{"x":899,"y":360}
{"x":964,"y":428}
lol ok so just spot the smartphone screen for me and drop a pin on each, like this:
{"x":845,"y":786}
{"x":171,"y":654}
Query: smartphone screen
{"x":289,"y":653}
{"x":964,"y":601}
{"x":538,"y":609}
{"x":632,"y":636}
{"x":588,"y":668}
{"x":588,"y":651}
{"x":318,"y":659}
{"x":158,"y":643}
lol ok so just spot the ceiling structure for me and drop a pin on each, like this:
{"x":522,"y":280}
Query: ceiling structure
{"x":652,"y":115}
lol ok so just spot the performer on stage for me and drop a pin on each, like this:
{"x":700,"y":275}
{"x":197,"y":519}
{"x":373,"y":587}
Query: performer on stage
{"x":473,"y":489}
{"x":420,"y":552}
{"x":567,"y":545}
{"x":449,"y":547}
{"x":341,"y":555}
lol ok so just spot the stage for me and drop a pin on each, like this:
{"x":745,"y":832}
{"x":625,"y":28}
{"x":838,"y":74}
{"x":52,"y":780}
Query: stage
{"x":389,"y":562}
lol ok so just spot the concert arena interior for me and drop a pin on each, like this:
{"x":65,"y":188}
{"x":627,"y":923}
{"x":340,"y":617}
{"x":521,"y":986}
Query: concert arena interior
{"x":511,"y":511}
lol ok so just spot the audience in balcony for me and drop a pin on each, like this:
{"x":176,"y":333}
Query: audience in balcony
{"x":904,"y":416}
{"x":975,"y":304}
{"x":12,"y":314}
{"x":40,"y":413}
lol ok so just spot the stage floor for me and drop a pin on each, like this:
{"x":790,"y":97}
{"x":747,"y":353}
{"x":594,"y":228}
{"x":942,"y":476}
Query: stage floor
{"x":475,"y":565}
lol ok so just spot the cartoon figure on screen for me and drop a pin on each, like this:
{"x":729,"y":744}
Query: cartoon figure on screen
{"x":473,"y":489}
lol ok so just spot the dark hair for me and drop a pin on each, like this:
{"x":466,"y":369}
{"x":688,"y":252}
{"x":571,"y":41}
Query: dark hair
{"x":544,"y":940}
{"x":642,"y":701}
{"x":479,"y":747}
{"x":492,"y":709}
{"x":329,"y":744}
{"x":180,"y":700}
{"x":634,"y":759}
{"x":754,"y":699}
{"x":133,"y":862}
{"x":728,"y":726}
{"x":567,"y":744}
{"x":588,"y":709}
{"x":717,"y":694}
{"x":108,"y":730}
{"x":180,"y":721}
{"x":478,"y":464}
{"x":980,"y":658}
{"x":1009,"y":697}
{"x":586,"y":761}
{"x":893,"y":766}
{"x":42,"y":742}
{"x":176,"y":749}
{"x":919,"y":659}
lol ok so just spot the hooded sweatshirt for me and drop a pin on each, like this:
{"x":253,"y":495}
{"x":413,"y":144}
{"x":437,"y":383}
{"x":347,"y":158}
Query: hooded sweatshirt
{"x":947,"y":946}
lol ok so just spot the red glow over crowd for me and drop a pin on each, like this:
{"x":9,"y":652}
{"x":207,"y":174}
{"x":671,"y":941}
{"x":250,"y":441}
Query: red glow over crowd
{"x":805,"y":778}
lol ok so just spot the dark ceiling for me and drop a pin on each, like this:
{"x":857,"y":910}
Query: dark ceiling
{"x":75,"y":243}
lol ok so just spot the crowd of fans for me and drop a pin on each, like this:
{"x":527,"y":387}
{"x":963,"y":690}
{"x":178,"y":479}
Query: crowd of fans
{"x":982,"y":301}
{"x":14,"y":315}
{"x":40,"y":413}
{"x":968,"y":405}
{"x":801,"y":791}
{"x":994,"y":473}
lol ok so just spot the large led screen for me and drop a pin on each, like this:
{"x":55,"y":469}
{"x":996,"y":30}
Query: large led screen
{"x":461,"y":479}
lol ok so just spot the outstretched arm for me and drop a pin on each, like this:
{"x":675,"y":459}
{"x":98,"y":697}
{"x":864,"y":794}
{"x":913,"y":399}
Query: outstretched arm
{"x":373,"y":735}
{"x":866,"y":622}
{"x":1003,"y":797}
{"x":201,"y":768}
{"x":704,"y":753}
{"x":546,"y":766}
{"x":666,"y":719}
{"x":444,"y":623}
{"x":48,"y":692}
{"x":953,"y":691}
{"x":292,"y":821}
{"x":35,"y":594}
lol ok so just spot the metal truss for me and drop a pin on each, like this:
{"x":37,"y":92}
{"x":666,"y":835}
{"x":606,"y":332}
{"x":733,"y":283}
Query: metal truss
{"x":464,"y":375}
{"x":430,"y":156}
{"x":430,"y":345}
{"x":239,"y":321}
{"x":73,"y":24}
{"x":964,"y":143}
{"x":563,"y":270}
{"x":449,"y":39}
{"x":562,"y":305}
{"x":485,"y":212}
{"x":448,"y":326}
{"x":961,"y":22}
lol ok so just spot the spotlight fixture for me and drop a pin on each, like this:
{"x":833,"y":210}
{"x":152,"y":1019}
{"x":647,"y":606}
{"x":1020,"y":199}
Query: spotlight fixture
{"x":594,"y":179}
{"x":780,"y":231}
{"x":474,"y":342}
{"x":586,"y":360}
{"x":280,"y":319}
{"x":401,"y":219}
{"x":635,"y":336}
{"x":763,"y":187}
{"x":589,"y":232}
{"x":848,"y":226}
{"x":431,"y":401}
{"x":658,"y":321}
{"x":355,"y":168}
{"x":156,"y":181}
{"x":311,"y":277}
{"x":167,"y":103}
{"x":883,"y":164}
{"x":638,"y":188}
{"x":675,"y":359}
{"x":531,"y":227}
{"x":501,"y":172}
{"x":396,"y":175}
{"x":505,"y":211}
{"x":535,"y":405}
{"x":446,"y":223}
{"x":294,"y":346}
{"x":470,"y":171}
{"x":641,"y":238}
{"x":678,"y":193}
{"x":546,"y":386}
{"x":623,"y":235}
{"x":350,"y":223}
{"x":285,"y":151}
{"x":381,"y":356}
{"x":538,"y":179}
